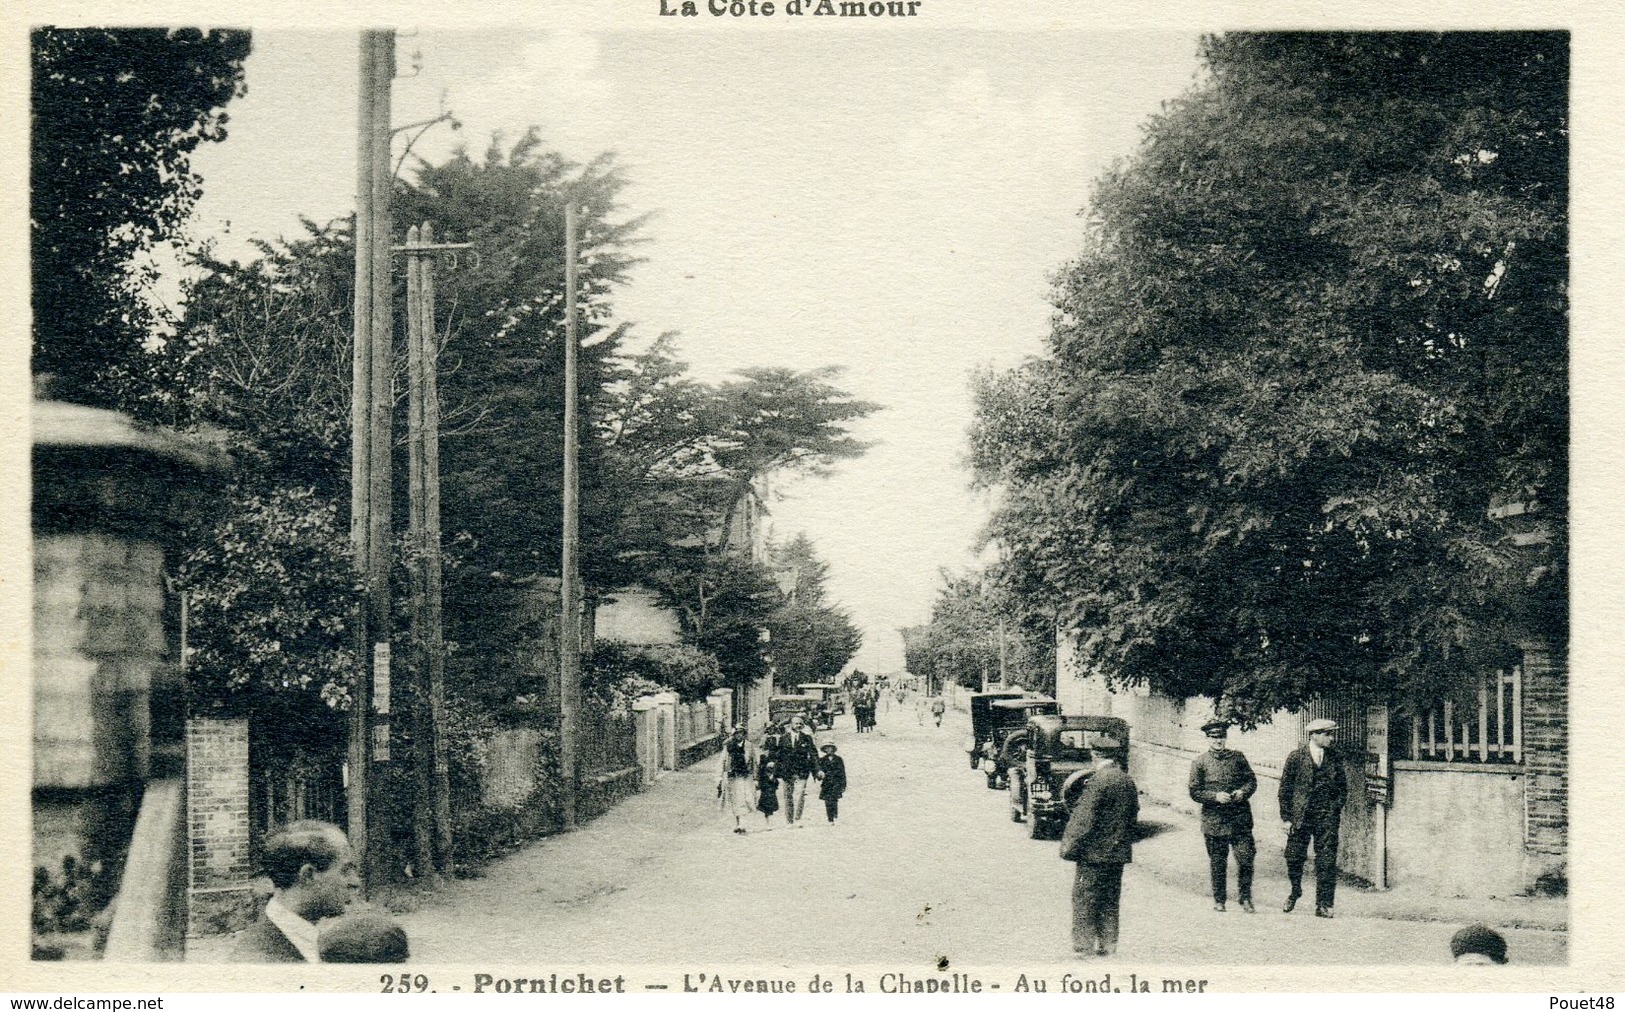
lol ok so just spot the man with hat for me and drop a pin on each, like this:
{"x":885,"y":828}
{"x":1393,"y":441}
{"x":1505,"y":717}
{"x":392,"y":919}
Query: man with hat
{"x":1313,"y":789}
{"x":1222,"y":782}
{"x":798,"y":760}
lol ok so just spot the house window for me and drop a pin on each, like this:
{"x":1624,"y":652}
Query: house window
{"x":1487,"y":727}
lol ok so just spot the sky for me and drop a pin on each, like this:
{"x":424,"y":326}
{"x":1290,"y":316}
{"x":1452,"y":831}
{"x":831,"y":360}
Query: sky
{"x":891,"y":202}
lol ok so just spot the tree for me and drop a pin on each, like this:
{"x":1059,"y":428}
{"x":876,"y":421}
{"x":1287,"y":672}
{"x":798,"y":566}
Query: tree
{"x":812,"y":640}
{"x":1318,"y":332}
{"x":974,"y":617}
{"x":272,"y":592}
{"x":116,"y":116}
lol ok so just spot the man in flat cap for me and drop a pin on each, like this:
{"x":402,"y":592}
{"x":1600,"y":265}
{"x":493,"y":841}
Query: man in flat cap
{"x":1313,"y":789}
{"x":1222,"y":782}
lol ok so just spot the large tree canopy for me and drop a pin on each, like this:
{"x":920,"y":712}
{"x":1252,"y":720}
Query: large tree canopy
{"x":1318,"y":333}
{"x":116,"y":116}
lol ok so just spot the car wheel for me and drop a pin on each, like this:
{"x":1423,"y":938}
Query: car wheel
{"x":1035,"y":827}
{"x":975,"y":760}
{"x":992,"y":781}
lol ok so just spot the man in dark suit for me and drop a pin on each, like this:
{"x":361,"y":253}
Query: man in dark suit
{"x":1222,"y":782}
{"x":1313,"y":789}
{"x":798,"y":761}
{"x":1099,"y":837}
{"x":313,"y":873}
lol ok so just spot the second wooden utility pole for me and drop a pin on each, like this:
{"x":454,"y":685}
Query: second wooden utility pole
{"x":432,"y":822}
{"x":570,"y":563}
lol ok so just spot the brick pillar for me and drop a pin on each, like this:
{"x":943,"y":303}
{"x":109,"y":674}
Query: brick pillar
{"x":1546,"y":761}
{"x":220,"y":877}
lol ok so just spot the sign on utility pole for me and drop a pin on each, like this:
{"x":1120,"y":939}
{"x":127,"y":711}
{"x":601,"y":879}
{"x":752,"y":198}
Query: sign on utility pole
{"x":570,"y":564}
{"x":370,"y":435}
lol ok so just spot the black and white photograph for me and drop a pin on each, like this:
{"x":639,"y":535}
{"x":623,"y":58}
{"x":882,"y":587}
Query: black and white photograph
{"x":717,"y":496}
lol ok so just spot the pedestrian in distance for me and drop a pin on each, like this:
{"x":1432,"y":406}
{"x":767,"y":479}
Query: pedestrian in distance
{"x":367,"y":936}
{"x":831,"y":781}
{"x":736,"y":784}
{"x":798,"y":761}
{"x":938,"y":708}
{"x":313,"y":876}
{"x":1222,"y":782}
{"x":1478,"y":945}
{"x":1314,"y":787}
{"x":1099,"y":839}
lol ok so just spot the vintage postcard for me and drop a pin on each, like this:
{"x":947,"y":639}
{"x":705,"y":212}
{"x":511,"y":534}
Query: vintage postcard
{"x":910,"y":498}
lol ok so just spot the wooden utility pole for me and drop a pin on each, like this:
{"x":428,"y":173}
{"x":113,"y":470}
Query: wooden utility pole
{"x":360,"y":459}
{"x":570,"y":567}
{"x":432,"y":824}
{"x":423,"y":729}
{"x":371,"y":433}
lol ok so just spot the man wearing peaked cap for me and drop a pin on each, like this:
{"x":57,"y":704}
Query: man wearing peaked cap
{"x":1314,"y":787}
{"x":1222,"y":782}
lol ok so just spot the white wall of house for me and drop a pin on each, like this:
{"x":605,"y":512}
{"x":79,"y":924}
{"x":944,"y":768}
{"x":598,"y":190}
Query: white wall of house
{"x":635,"y":615}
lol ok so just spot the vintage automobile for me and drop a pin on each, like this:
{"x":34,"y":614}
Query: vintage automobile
{"x":1005,"y":747}
{"x":781,"y":709}
{"x":830,"y":701}
{"x":982,"y":720}
{"x":1060,"y":755}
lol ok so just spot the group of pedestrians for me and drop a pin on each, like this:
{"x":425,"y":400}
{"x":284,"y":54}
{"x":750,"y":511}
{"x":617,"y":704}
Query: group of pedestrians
{"x":1099,"y":831}
{"x":865,"y":700}
{"x":775,"y":775}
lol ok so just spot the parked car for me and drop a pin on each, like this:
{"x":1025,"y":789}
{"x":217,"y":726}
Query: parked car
{"x":1059,"y":756}
{"x":1005,"y":748}
{"x":830,"y":701}
{"x":982,"y":720}
{"x":780,"y":709}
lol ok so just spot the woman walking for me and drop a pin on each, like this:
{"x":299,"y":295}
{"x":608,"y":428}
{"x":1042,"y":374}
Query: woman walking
{"x":736,"y":786}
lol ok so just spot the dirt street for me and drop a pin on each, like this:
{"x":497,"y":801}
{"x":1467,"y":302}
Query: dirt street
{"x":923,"y":864}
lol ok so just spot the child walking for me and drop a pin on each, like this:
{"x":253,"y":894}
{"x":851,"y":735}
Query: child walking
{"x":831,"y":780}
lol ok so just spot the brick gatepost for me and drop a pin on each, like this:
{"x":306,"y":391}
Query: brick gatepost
{"x":1546,"y":760}
{"x":220,"y":870}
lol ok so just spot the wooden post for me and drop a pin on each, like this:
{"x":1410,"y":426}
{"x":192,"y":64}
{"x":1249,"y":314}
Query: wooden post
{"x":423,"y":828}
{"x":360,"y":746}
{"x":433,"y":791}
{"x":570,"y":567}
{"x":436,"y":649}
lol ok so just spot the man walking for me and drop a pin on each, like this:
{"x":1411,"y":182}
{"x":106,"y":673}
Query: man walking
{"x":1099,"y":838}
{"x":313,"y":875}
{"x":1222,"y":782}
{"x":1313,"y":789}
{"x":798,"y":760}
